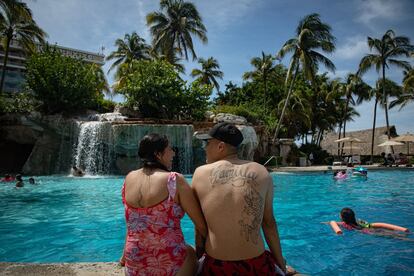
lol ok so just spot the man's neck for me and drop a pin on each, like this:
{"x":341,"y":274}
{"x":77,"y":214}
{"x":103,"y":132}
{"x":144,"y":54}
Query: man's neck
{"x":230,"y":157}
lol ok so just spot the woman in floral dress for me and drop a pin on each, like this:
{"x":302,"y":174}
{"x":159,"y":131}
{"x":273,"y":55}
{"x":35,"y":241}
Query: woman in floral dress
{"x":155,"y":200}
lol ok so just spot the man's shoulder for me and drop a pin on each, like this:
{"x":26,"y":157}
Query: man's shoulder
{"x":255,"y":166}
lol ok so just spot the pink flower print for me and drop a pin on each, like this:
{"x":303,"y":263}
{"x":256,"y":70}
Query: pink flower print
{"x":159,"y":263}
{"x":177,"y":211}
{"x":138,"y":223}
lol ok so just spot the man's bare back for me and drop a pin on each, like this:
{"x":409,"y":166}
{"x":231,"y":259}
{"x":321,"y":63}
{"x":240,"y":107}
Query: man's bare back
{"x":233,"y":198}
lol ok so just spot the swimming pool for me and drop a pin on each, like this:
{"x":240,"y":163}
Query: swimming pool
{"x":65,"y":219}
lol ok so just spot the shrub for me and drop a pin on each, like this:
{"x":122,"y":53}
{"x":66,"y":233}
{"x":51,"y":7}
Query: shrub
{"x":238,"y":110}
{"x":320,"y":156}
{"x":104,"y":105}
{"x":22,"y":102}
{"x":62,"y":84}
{"x":156,"y":90}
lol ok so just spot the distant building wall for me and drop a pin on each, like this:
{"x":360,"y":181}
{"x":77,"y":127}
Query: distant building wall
{"x":365,"y":135}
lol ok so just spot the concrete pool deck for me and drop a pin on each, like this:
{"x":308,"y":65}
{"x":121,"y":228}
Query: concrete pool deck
{"x":65,"y":269}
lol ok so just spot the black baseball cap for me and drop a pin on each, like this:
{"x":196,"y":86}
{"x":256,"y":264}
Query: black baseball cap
{"x":225,"y":132}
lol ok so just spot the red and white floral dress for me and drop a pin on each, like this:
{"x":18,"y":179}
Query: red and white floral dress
{"x":155,"y":242}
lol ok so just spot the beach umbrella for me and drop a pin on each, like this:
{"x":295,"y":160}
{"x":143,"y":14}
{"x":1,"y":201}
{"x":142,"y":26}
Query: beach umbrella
{"x":406,"y":138}
{"x":390,"y":143}
{"x":350,"y":140}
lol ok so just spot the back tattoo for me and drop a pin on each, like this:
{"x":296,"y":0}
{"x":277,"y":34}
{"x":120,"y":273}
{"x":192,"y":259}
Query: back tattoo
{"x":253,"y":201}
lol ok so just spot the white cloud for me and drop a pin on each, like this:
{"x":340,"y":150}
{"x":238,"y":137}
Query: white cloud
{"x":353,"y":48}
{"x":221,"y":14}
{"x":370,"y":10}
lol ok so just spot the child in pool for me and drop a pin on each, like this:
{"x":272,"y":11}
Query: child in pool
{"x":349,"y":222}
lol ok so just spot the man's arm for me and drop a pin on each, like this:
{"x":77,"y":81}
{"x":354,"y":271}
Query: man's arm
{"x":269,"y":227}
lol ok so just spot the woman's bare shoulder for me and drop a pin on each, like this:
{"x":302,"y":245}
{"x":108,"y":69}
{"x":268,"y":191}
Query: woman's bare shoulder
{"x":132,"y":176}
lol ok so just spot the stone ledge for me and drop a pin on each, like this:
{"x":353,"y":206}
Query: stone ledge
{"x":64,"y":269}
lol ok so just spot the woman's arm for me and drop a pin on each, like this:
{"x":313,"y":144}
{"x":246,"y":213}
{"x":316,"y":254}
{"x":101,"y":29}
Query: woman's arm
{"x":190,"y":205}
{"x":122,"y":259}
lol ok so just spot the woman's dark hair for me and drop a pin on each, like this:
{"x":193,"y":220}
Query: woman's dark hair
{"x":149,"y":146}
{"x":348,"y":216}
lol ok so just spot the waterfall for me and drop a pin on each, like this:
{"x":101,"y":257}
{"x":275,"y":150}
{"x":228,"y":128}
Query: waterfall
{"x":108,"y":147}
{"x":249,"y":144}
{"x":127,"y":137}
{"x":94,"y":147}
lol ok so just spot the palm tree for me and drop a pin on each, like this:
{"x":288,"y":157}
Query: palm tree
{"x":263,"y":66}
{"x":173,"y":26}
{"x":209,"y":72}
{"x":311,"y":34}
{"x":174,"y":60}
{"x":394,"y":90}
{"x":386,"y":49}
{"x":16,"y":22}
{"x":132,"y":47}
{"x":408,"y":89}
{"x":102,"y":83}
{"x":354,"y":86}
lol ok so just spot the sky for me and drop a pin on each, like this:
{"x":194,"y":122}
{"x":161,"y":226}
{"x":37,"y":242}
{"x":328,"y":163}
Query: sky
{"x":239,"y":30}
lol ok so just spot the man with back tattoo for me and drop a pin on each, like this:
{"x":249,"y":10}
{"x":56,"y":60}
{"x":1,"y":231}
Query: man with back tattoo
{"x":236,"y":198}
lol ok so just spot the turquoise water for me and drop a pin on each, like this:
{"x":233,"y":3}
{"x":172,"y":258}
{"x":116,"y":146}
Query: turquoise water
{"x":65,"y":219}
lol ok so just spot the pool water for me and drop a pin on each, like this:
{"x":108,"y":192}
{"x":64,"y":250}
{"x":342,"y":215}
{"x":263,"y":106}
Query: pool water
{"x":66,"y":219}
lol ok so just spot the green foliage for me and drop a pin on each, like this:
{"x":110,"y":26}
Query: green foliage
{"x":239,"y":110}
{"x":173,"y":28}
{"x":320,"y":156}
{"x":156,"y":90}
{"x":104,"y":105}
{"x":196,"y":100}
{"x":23,"y":102}
{"x":63,"y":84}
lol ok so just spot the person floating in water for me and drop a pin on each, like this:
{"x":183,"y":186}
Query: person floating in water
{"x":350,"y":222}
{"x":7,"y":178}
{"x":19,"y":181}
{"x":32,"y":181}
{"x":77,"y":171}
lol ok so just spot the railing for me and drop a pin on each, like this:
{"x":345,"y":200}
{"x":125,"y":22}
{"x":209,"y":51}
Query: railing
{"x":270,"y":159}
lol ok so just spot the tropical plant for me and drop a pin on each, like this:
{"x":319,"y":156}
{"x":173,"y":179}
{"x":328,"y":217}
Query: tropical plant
{"x":353,"y":86}
{"x":62,"y":84}
{"x":263,"y":66}
{"x":174,"y":60}
{"x":103,"y":85}
{"x":173,"y":26}
{"x":377,"y":93}
{"x":16,"y":22}
{"x":311,"y":34}
{"x":209,"y":72}
{"x":408,"y":89}
{"x":132,"y":47}
{"x":155,"y":89}
{"x":386,"y":51}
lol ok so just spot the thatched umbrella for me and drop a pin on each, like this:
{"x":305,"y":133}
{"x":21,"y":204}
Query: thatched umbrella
{"x":406,"y":138}
{"x":349,"y":139}
{"x":390,"y":143}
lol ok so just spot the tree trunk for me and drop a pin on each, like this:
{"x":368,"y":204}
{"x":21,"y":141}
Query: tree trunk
{"x":344,"y":124}
{"x":6,"y":56}
{"x":320,"y":138}
{"x":373,"y":129}
{"x":384,"y":95}
{"x":265,"y":93}
{"x":279,"y":124}
{"x":339,"y":137}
